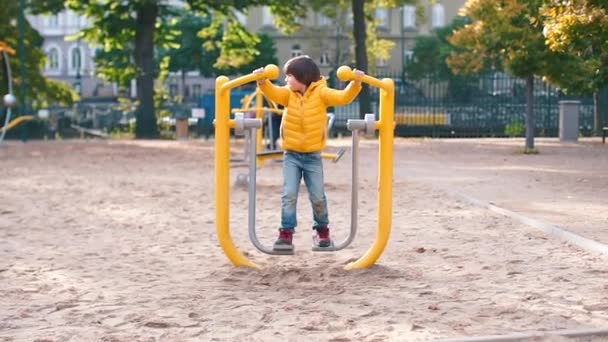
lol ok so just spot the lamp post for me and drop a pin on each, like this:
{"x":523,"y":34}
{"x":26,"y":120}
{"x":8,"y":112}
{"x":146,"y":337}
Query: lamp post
{"x":78,"y":83}
{"x":402,"y":41}
{"x":22,"y":61}
{"x":78,"y":62}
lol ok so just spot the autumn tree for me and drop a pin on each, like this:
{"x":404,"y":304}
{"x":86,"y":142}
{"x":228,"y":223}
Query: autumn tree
{"x":41,"y":91}
{"x":429,"y":60}
{"x":507,"y":34}
{"x":140,"y":26}
{"x":579,"y":28}
{"x":367,"y":44}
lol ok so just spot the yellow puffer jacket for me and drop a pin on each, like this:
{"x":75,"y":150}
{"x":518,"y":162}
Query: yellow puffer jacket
{"x":304,"y":125}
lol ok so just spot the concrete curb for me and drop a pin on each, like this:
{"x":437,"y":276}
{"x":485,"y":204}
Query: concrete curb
{"x":536,"y":336}
{"x":548,"y":228}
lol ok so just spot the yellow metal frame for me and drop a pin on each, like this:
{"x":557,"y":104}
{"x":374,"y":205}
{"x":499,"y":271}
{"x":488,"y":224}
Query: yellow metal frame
{"x":5,"y":48}
{"x":386,"y":127}
{"x":223,"y":124}
{"x":259,"y":113}
{"x":17,"y":121}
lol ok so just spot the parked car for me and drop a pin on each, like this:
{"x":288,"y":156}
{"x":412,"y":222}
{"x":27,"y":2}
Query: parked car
{"x":405,"y":92}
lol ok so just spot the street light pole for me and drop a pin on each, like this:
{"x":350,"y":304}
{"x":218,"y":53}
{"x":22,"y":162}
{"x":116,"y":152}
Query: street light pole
{"x":22,"y":61}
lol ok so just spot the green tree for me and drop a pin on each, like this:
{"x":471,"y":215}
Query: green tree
{"x":41,"y":91}
{"x":580,"y":29}
{"x":267,"y":55}
{"x":190,"y":55}
{"x":506,"y":34}
{"x":139,"y":26}
{"x":429,"y":60}
{"x":367,"y":45}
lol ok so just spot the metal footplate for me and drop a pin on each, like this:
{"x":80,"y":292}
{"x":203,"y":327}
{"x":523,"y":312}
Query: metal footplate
{"x":367,"y":126}
{"x":317,"y":248}
{"x":286,"y":250}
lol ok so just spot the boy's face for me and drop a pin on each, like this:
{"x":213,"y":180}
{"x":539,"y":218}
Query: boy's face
{"x":294,"y":84}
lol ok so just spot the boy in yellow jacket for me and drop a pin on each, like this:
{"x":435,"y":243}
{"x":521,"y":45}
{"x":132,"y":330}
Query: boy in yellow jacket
{"x":304,"y":134}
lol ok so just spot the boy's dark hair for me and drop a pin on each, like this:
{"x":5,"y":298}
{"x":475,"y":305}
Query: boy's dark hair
{"x":303,"y":68}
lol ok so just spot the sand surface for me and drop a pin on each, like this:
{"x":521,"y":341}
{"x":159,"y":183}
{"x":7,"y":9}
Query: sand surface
{"x":116,"y":241}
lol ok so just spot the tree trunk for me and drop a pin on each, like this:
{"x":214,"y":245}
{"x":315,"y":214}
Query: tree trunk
{"x":600,"y":116}
{"x":144,"y":59}
{"x":184,"y":86}
{"x":530,"y":121}
{"x":361,"y":53}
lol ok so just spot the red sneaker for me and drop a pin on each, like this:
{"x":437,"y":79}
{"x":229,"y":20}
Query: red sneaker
{"x":284,"y":242}
{"x":323,"y":239}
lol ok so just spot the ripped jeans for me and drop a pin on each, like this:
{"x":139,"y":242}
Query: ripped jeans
{"x":309,"y":166}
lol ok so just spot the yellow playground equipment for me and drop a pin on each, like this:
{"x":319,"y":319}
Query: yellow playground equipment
{"x":258,"y":108}
{"x":9,"y":99}
{"x":385,"y":125}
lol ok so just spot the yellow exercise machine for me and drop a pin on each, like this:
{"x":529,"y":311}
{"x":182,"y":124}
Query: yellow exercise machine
{"x":385,"y":125}
{"x":274,"y":152}
{"x":15,"y":122}
{"x":9,"y":99}
{"x":259,"y":110}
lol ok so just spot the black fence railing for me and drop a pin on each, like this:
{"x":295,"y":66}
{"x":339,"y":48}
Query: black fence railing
{"x":492,"y":105}
{"x":487,"y":106}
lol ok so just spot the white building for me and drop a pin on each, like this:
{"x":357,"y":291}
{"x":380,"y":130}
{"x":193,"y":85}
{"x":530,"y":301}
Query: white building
{"x":70,"y":61}
{"x":321,"y":38}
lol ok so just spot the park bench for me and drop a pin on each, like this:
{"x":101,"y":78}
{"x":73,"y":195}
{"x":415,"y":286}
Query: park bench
{"x":88,"y":131}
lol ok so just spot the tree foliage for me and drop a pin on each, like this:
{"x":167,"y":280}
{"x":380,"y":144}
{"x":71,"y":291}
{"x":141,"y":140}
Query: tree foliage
{"x":40,"y":91}
{"x":429,"y":57}
{"x":506,"y":34}
{"x":134,"y":30}
{"x":431,"y":52}
{"x":579,"y":28}
{"x":367,"y":45}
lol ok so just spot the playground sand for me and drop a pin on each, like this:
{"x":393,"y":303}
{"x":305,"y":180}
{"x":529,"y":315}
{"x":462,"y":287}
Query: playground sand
{"x":115,"y":241}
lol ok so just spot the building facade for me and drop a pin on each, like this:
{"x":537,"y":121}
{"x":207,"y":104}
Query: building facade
{"x":70,"y":60}
{"x":326,"y":40}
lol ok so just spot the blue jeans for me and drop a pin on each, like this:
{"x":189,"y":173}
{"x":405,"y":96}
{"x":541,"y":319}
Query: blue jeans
{"x":310,"y":166}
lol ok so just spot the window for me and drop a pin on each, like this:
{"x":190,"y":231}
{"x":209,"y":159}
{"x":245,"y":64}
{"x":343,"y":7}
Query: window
{"x":409,"y":17}
{"x":196,"y":90}
{"x":438,"y":16}
{"x":407,"y":56}
{"x":296,"y":51}
{"x":173,"y":89}
{"x":382,"y":17}
{"x":241,"y":17}
{"x":83,"y":21}
{"x":54,"y":21}
{"x":323,"y":20}
{"x":93,"y":52}
{"x":381,"y":62}
{"x":75,"y":20}
{"x":266,"y":16}
{"x":76,"y":59}
{"x":324,"y":60}
{"x":53,"y":59}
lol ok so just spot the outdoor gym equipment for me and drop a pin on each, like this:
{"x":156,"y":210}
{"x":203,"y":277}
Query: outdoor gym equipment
{"x":9,"y":99}
{"x":385,"y":125}
{"x":260,"y":111}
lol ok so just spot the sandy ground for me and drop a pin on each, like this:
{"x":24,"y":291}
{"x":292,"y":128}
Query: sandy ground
{"x":115,"y":241}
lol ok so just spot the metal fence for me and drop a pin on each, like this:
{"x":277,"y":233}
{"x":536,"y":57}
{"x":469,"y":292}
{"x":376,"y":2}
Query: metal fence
{"x":492,"y":105}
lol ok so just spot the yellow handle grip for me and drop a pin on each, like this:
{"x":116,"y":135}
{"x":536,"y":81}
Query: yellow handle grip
{"x":347,"y":74}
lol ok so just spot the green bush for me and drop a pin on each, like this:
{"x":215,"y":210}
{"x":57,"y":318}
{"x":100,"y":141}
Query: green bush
{"x":515,"y":129}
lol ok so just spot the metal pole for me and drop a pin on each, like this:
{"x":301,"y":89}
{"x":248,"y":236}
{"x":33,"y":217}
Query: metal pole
{"x":22,"y":61}
{"x":9,"y":78}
